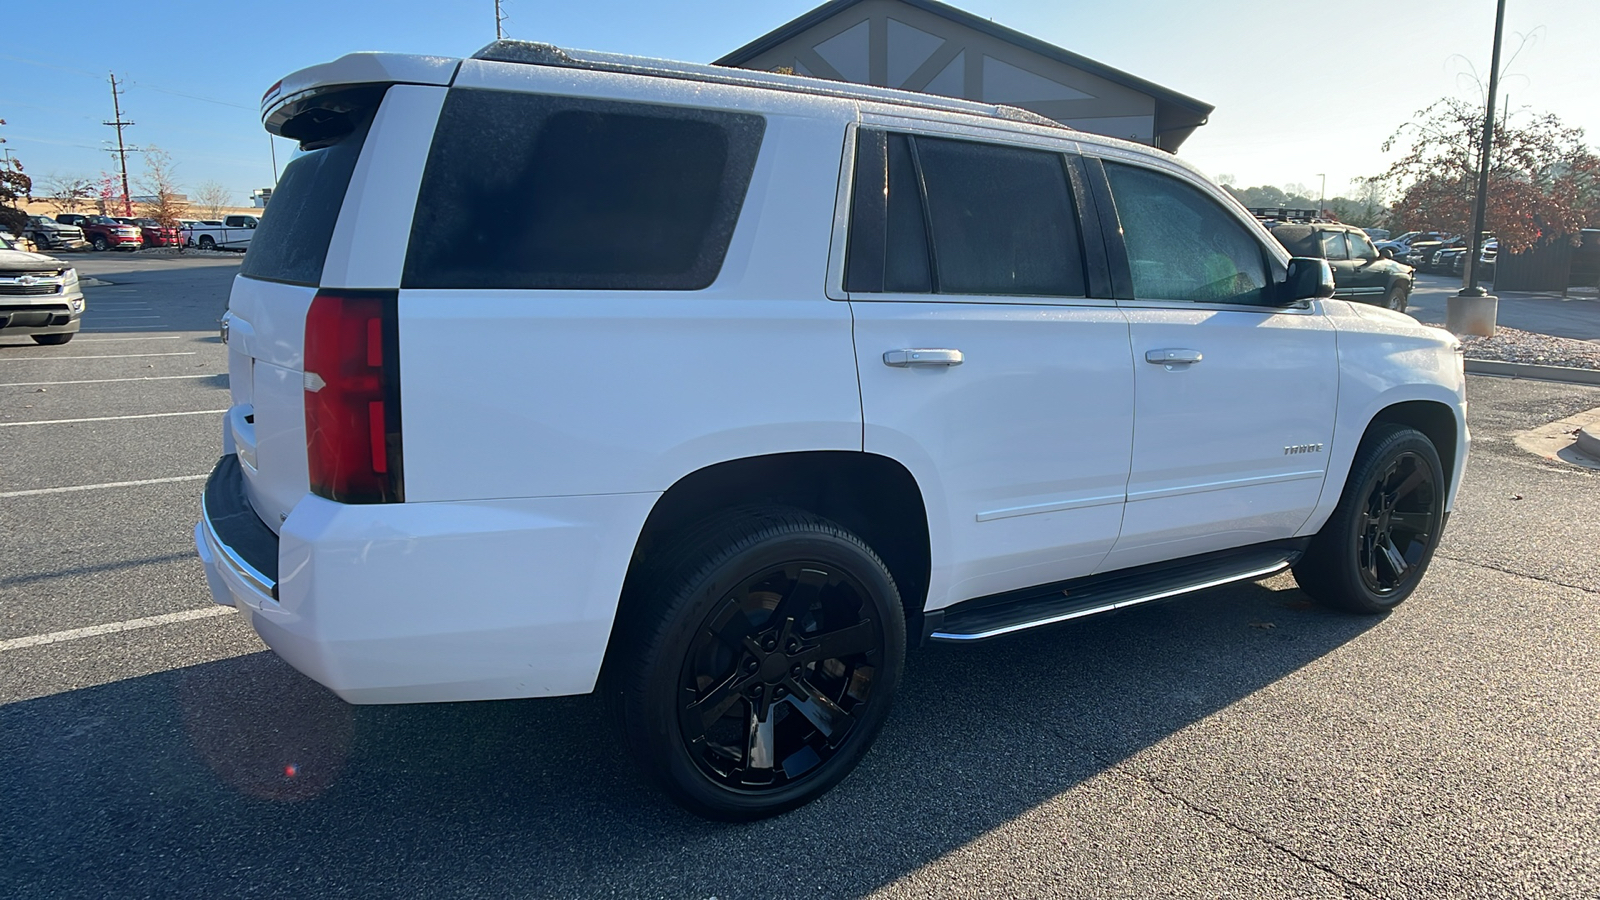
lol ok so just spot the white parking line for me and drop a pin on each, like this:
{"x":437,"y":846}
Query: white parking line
{"x":71,"y":489}
{"x":106,"y":356}
{"x":112,"y":329}
{"x":56,"y":637}
{"x":102,"y":380}
{"x":124,"y":318}
{"x":161,"y":337}
{"x":193,"y":412}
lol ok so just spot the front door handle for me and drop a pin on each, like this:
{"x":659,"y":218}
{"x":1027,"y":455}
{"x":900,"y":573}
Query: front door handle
{"x":1173,"y":357}
{"x":902,"y":359}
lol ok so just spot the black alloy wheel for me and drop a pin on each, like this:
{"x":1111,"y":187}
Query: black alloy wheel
{"x":771,"y":681}
{"x":206,"y":242}
{"x":1375,"y":548}
{"x":764,"y":677}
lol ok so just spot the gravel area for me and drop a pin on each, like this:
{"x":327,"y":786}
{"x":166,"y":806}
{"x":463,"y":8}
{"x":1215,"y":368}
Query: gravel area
{"x":188,"y":251}
{"x":1514,"y":346}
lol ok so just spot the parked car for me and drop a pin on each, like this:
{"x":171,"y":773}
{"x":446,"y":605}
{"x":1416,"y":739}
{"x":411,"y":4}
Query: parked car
{"x":187,"y":226}
{"x":45,"y":234}
{"x":106,"y":233}
{"x":153,"y":233}
{"x":1403,"y":245}
{"x":1486,"y":258}
{"x":1420,"y":255}
{"x":643,"y":397}
{"x":1360,"y":271}
{"x":1377,"y":234}
{"x":39,"y":296}
{"x":76,"y":220}
{"x":234,"y":233}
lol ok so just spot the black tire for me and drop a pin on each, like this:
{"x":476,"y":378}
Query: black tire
{"x":1376,"y":546}
{"x":100,"y":243}
{"x":742,"y":615}
{"x":1396,"y":299}
{"x":53,"y":339}
{"x":206,"y":242}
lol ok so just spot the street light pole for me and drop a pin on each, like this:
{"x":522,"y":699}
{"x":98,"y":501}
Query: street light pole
{"x":1481,"y":201}
{"x":1322,"y":195}
{"x":1472,"y":311}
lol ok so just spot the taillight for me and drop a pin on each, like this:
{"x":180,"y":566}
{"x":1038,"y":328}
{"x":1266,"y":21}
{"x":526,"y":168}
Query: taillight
{"x":352,"y":384}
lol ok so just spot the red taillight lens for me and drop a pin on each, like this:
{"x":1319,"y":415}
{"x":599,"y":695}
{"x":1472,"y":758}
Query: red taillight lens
{"x":352,"y":383}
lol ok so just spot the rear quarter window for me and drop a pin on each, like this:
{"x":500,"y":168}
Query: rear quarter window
{"x":291,"y":243}
{"x":528,"y":191}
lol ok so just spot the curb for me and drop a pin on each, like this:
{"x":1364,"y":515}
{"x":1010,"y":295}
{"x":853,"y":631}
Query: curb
{"x":1567,"y":374}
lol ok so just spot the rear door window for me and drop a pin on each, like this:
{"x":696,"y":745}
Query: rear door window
{"x":528,"y":191}
{"x":934,"y":215}
{"x":1333,"y":245}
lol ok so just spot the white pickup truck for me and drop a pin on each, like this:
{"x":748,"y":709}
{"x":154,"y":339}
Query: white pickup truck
{"x":233,"y":234}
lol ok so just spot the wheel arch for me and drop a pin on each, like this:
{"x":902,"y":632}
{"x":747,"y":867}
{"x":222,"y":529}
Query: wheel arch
{"x":1437,"y":421}
{"x":874,"y":496}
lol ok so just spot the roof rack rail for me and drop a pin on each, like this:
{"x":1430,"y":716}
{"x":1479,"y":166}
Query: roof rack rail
{"x":540,"y":54}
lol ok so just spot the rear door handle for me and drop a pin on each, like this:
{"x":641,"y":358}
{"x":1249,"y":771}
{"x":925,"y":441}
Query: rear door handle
{"x":902,"y":359}
{"x":1173,"y":357}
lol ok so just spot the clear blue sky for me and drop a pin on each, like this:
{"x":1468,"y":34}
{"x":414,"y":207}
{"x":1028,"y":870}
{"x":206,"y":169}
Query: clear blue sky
{"x":1296,"y":93}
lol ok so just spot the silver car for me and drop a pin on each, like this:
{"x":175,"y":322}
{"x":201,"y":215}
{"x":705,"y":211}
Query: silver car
{"x":39,"y":295}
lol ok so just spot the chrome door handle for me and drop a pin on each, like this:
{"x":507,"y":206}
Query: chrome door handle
{"x":1173,"y":357}
{"x":902,"y":359}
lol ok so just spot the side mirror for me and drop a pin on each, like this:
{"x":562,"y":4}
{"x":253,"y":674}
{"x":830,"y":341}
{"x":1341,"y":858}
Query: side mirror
{"x":1308,"y":279}
{"x":1387,"y":253}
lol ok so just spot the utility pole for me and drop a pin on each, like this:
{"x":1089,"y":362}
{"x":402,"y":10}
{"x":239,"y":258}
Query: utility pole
{"x":499,"y":22}
{"x":1473,"y":310}
{"x":1322,"y":196}
{"x":122,"y":149}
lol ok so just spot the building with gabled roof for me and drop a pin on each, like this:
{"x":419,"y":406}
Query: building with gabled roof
{"x":924,"y":45}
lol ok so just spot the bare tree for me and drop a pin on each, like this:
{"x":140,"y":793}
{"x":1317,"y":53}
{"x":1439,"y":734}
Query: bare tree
{"x":69,"y":192}
{"x":212,"y":197}
{"x":163,"y":202}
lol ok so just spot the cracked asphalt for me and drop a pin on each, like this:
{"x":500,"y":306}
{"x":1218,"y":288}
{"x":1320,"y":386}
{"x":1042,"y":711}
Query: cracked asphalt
{"x":1242,"y":742}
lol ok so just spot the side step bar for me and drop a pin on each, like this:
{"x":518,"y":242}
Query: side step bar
{"x":987,"y":617}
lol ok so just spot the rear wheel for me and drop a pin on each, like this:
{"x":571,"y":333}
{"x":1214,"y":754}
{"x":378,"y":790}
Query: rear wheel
{"x":206,"y":243}
{"x":51,"y":339}
{"x":758,"y":664}
{"x":101,"y":244}
{"x":1375,"y":548}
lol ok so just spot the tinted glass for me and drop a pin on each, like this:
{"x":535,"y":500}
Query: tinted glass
{"x":1182,"y":245}
{"x":531,"y":191}
{"x":1333,"y":246}
{"x":1001,"y":219}
{"x":291,"y":243}
{"x":888,"y":249}
{"x":906,"y":266}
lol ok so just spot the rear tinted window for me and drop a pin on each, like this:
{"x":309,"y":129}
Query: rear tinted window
{"x":291,"y":243}
{"x":1000,"y":220}
{"x":526,"y":191}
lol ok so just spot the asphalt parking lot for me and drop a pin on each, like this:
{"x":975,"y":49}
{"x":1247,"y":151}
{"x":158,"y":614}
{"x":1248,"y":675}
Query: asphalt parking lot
{"x":1239,"y":743}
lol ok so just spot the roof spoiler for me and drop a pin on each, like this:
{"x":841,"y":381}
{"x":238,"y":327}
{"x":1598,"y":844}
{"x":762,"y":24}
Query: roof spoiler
{"x":310,"y":105}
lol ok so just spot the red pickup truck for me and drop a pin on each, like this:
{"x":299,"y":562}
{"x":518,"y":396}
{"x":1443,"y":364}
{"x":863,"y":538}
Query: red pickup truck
{"x":106,"y":233}
{"x":153,"y":233}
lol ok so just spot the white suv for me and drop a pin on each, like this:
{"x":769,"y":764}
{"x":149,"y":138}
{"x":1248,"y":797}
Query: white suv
{"x":714,"y":390}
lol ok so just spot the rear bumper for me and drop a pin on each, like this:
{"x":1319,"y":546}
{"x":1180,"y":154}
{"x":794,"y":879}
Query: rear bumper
{"x":426,"y":602}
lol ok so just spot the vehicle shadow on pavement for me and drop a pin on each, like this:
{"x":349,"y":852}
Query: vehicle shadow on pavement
{"x":242,"y":776}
